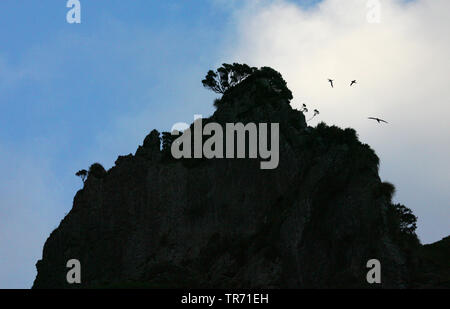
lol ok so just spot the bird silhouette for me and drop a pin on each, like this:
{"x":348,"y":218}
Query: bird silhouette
{"x":352,"y":83}
{"x":316,"y":112}
{"x":304,"y":108}
{"x":377,"y":119}
{"x":331,"y":82}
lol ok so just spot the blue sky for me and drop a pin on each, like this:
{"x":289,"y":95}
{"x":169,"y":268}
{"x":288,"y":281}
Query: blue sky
{"x":74,"y":94}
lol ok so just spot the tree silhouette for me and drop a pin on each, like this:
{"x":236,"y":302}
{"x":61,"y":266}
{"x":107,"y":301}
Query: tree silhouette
{"x":83,"y":174}
{"x":405,"y":218}
{"x":227,"y":76}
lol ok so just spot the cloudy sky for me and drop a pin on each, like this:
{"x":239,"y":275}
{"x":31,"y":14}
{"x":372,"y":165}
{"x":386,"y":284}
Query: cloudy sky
{"x":74,"y":94}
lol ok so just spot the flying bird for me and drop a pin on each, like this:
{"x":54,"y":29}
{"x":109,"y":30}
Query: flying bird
{"x":377,"y":119}
{"x":316,"y":112}
{"x":352,"y":83}
{"x":304,"y":110}
{"x":331,"y":82}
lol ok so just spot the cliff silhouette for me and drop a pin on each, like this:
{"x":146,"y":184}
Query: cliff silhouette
{"x":312,"y":222}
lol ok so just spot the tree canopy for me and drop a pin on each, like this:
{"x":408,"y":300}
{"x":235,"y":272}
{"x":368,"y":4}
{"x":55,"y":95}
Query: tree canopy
{"x":227,"y":76}
{"x":83,"y":174}
{"x":405,"y":218}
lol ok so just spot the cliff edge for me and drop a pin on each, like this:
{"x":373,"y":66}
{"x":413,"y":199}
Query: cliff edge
{"x":312,"y":222}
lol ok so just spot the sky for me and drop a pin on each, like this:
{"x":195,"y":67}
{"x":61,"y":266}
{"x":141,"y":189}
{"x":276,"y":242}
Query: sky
{"x":75,"y":94}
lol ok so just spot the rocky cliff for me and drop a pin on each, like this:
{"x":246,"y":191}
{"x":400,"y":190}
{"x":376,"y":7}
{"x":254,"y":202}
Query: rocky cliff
{"x":313,"y":222}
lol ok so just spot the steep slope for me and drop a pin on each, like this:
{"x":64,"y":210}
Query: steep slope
{"x":314,"y":221}
{"x":433,"y":265}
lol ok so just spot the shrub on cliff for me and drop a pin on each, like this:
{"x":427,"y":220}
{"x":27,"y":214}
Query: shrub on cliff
{"x":152,"y":140}
{"x":83,"y":174}
{"x":336,"y":135}
{"x":402,"y":223}
{"x":227,"y":76}
{"x":269,"y":83}
{"x":385,"y":189}
{"x":407,"y":220}
{"x":167,"y":140}
{"x":97,"y":170}
{"x":276,"y":80}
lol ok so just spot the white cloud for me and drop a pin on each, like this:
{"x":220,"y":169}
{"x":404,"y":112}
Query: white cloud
{"x":401,"y":65}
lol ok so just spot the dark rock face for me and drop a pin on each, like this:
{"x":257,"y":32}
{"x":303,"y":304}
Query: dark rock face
{"x":313,"y":222}
{"x":433,"y":265}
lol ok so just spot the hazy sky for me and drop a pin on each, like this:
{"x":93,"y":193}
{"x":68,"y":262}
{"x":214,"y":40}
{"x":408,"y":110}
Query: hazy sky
{"x":74,"y":94}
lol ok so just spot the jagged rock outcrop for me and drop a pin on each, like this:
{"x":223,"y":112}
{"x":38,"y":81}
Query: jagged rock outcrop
{"x":313,"y":222}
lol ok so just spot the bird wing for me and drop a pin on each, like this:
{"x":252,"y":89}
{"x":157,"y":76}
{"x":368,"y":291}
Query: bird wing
{"x":377,"y":119}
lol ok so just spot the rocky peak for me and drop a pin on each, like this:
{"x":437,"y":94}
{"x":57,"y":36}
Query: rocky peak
{"x":314,"y":221}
